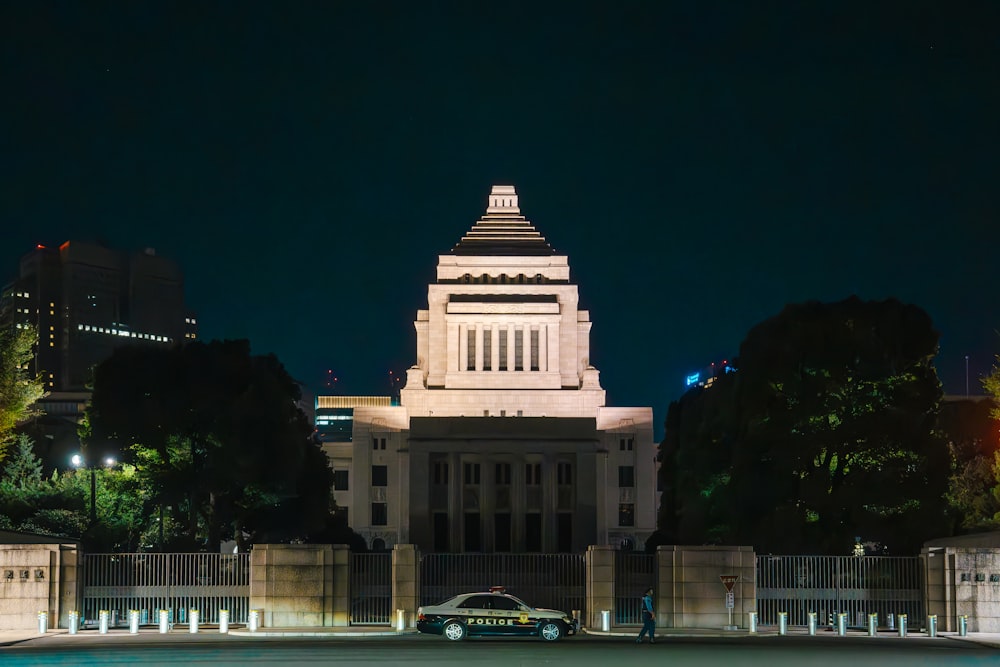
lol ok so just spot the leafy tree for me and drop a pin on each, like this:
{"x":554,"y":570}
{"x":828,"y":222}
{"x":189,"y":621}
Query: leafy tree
{"x":219,"y":444}
{"x":974,"y":486}
{"x":826,"y":433}
{"x":18,"y":388}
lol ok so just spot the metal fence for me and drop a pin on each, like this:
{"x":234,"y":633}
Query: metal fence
{"x":149,"y":582}
{"x":634,"y":573}
{"x":554,"y":581}
{"x":371,"y":588}
{"x":829,"y":585}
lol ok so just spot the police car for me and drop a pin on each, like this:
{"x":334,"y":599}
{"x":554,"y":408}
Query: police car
{"x":494,"y":613}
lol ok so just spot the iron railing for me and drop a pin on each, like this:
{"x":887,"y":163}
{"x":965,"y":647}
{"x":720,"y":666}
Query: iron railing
{"x":371,"y":588}
{"x":828,"y":585}
{"x":634,"y":573}
{"x":149,"y":582}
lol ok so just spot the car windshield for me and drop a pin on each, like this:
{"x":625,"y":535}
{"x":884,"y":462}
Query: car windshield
{"x":520,"y":601}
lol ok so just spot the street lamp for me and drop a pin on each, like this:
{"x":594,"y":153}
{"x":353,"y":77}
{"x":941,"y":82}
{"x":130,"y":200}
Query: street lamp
{"x":78,"y":463}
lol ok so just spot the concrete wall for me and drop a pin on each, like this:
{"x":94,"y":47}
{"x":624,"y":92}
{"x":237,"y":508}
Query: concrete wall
{"x":963,"y":581}
{"x":300,"y":585}
{"x":690,"y":593}
{"x":35,"y":578}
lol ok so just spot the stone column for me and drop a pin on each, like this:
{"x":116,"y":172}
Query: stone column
{"x":301,"y":585}
{"x":600,"y":566}
{"x":511,"y":332}
{"x":479,"y":347}
{"x":495,"y":347}
{"x":690,"y":593}
{"x":405,"y":582}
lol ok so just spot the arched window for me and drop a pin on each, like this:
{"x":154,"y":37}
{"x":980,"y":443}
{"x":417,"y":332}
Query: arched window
{"x":378,"y":544}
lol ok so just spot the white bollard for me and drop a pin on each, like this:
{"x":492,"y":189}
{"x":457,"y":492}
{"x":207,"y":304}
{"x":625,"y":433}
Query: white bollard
{"x":43,"y":622}
{"x":253,"y":622}
{"x":103,"y":616}
{"x":133,"y":621}
{"x":605,"y":620}
{"x":891,"y":620}
{"x":782,"y":623}
{"x":811,"y":620}
{"x":193,"y":621}
{"x":841,"y":624}
{"x":963,"y":626}
{"x":400,"y":620}
{"x":164,"y":621}
{"x":932,"y":625}
{"x":902,"y":625}
{"x":74,"y":622}
{"x":223,"y":621}
{"x":752,"y":622}
{"x":872,"y":625}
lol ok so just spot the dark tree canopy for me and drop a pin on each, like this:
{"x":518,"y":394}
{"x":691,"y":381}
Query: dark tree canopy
{"x":826,"y":433}
{"x":217,"y":438}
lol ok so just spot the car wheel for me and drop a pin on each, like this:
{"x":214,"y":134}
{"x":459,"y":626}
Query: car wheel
{"x":550,"y":631}
{"x":454,"y":631}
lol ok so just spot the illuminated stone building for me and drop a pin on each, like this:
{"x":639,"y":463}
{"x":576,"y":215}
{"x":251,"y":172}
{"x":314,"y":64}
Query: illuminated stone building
{"x":502,"y":441}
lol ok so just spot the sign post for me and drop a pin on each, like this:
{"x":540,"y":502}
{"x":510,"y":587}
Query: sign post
{"x":729,"y":580}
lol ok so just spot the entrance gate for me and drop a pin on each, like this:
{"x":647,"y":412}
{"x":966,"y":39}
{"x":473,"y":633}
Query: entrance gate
{"x":827,"y":585}
{"x":554,"y":581}
{"x":149,"y":582}
{"x":371,"y":588}
{"x":634,"y":573}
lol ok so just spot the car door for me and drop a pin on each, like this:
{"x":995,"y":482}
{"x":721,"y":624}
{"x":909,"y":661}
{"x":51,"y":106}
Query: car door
{"x":475,"y":611}
{"x":514,"y":616}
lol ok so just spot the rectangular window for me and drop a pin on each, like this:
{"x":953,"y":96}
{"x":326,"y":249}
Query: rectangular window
{"x":380,"y":476}
{"x":564,"y":532}
{"x":340,"y":480}
{"x":518,"y":350}
{"x":625,"y":444}
{"x":533,"y":532}
{"x":626,"y":514}
{"x":380,"y":516}
{"x":534,"y":349}
{"x":440,"y":472}
{"x":503,"y":473}
{"x":441,"y":532}
{"x":487,"y":349}
{"x":501,"y":532}
{"x":473,"y":532}
{"x":470,"y":353}
{"x":502,"y":344}
{"x":378,"y":442}
{"x":626,"y":476}
{"x":471,"y":473}
{"x":533,"y":474}
{"x":564,"y":473}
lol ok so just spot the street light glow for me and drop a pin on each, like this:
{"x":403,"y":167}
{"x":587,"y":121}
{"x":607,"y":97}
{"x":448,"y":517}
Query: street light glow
{"x":77,"y":460}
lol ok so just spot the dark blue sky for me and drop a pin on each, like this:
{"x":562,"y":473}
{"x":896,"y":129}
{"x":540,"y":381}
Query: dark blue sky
{"x":702,"y":164}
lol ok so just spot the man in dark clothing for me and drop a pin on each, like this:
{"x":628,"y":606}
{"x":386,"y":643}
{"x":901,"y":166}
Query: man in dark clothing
{"x":648,"y":618}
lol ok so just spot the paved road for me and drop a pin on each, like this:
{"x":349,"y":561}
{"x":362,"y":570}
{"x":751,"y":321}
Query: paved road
{"x":419,"y":651}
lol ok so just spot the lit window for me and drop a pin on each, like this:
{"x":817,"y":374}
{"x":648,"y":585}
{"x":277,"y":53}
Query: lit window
{"x":79,"y":327}
{"x":52,"y":344}
{"x":52,"y":304}
{"x":626,"y":514}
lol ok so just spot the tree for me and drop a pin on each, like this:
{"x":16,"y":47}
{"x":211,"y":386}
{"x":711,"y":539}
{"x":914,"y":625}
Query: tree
{"x":974,"y":486}
{"x":219,"y":443}
{"x":19,"y":389}
{"x":824,"y":434}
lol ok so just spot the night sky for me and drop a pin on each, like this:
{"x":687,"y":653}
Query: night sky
{"x":701,"y":164}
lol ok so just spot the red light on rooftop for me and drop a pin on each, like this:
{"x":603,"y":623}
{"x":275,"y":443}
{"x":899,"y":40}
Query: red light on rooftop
{"x":40,"y":247}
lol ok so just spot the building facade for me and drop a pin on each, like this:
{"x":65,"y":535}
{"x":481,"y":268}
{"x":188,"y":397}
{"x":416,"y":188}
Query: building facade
{"x":85,"y":300}
{"x":502,"y":441}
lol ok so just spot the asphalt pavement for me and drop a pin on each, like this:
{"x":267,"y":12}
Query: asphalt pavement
{"x":150,"y":633}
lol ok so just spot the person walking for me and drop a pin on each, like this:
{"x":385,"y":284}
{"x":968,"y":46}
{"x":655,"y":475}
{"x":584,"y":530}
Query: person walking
{"x":648,"y":618}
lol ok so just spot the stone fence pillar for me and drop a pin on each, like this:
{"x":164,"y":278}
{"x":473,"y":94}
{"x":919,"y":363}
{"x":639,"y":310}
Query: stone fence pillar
{"x":600,"y":566}
{"x":690,"y":591}
{"x":405,"y":583}
{"x":300,"y":585}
